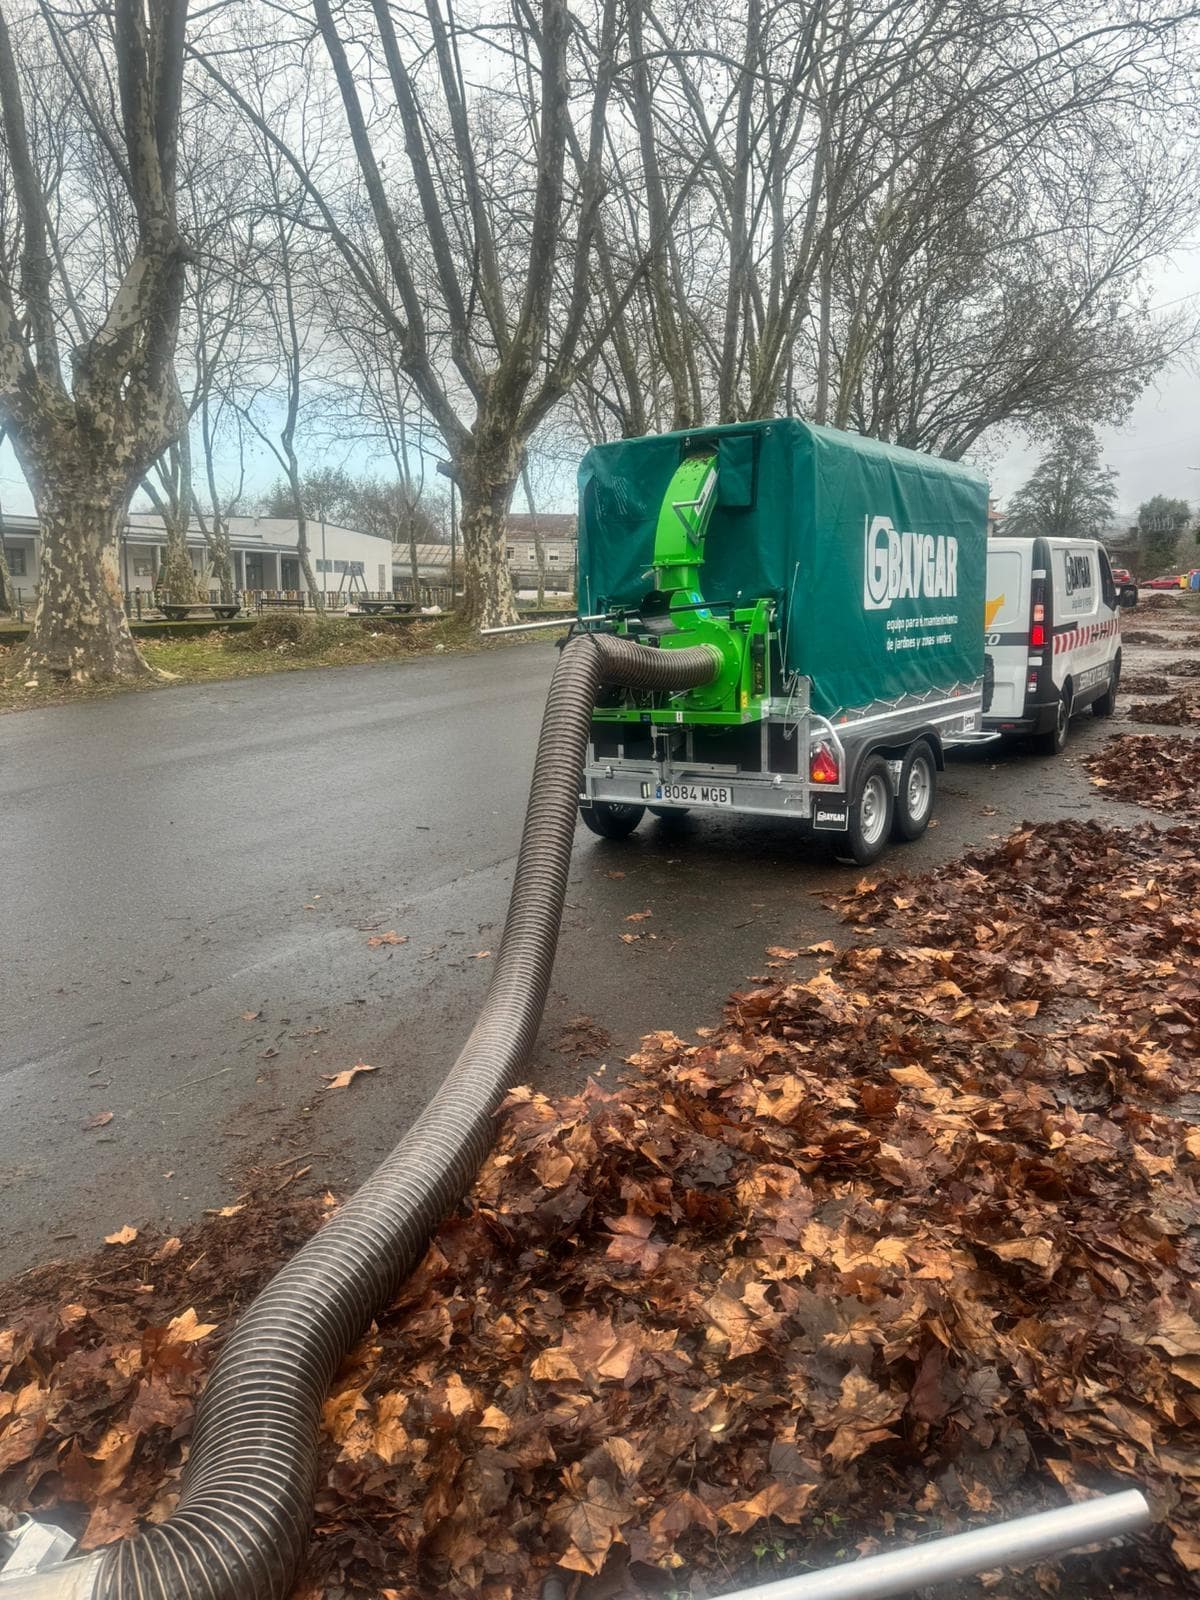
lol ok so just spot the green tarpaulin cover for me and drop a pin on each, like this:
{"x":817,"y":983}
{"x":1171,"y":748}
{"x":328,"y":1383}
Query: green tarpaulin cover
{"x":875,"y":555}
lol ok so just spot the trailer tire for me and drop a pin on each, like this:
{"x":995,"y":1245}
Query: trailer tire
{"x":916,"y":792}
{"x":871,"y":812}
{"x":666,"y":813}
{"x":611,"y":819}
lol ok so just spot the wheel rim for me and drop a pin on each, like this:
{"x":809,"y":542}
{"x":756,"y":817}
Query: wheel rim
{"x":873,"y":810}
{"x":920,"y":789}
{"x":619,"y":810}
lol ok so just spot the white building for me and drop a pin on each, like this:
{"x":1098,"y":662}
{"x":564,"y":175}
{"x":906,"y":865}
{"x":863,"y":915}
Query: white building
{"x":264,"y":555}
{"x":557,"y":533}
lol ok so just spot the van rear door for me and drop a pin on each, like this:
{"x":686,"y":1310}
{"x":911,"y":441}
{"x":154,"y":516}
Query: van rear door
{"x":1006,"y":625}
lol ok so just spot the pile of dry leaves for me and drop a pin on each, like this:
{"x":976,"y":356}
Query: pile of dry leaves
{"x":1180,"y":711}
{"x":1149,"y":769}
{"x":910,"y":1239}
{"x":1145,"y":683}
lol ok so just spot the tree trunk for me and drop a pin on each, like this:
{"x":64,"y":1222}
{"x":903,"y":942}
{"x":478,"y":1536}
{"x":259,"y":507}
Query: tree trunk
{"x":539,"y":555}
{"x":177,"y":577}
{"x":539,"y":547}
{"x":315,"y":597}
{"x":220,"y":555}
{"x":79,"y":628}
{"x":414,"y":562}
{"x":7,"y":598}
{"x":487,"y":467}
{"x":487,"y":587}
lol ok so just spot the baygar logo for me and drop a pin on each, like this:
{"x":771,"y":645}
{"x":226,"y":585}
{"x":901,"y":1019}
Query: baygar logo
{"x":902,"y":566}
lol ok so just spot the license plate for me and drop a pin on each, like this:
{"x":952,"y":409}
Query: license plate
{"x":694,"y":794}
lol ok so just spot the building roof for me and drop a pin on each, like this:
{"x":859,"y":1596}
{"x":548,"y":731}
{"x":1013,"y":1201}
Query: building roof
{"x":245,"y":533}
{"x":549,"y":524}
{"x":271,"y":533}
{"x":428,"y":555}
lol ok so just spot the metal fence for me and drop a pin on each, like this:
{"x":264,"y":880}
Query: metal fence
{"x":143,"y":605}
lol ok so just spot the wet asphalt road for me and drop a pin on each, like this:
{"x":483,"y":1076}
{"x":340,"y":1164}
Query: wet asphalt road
{"x":190,"y":879}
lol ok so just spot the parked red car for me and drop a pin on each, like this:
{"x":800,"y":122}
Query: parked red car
{"x":1167,"y":581}
{"x":1122,"y":574}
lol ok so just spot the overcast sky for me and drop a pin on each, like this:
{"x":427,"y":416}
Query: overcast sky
{"x":1152,"y":453}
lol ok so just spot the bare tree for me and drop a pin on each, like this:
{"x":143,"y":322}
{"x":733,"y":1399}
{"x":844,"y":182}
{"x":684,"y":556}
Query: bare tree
{"x":86,"y":427}
{"x":169,"y":488}
{"x":379,"y":406}
{"x":485,"y":291}
{"x":923,"y":222}
{"x":292,"y":338}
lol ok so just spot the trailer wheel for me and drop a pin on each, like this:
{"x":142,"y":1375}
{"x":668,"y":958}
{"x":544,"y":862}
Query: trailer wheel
{"x":916,"y":792}
{"x":871,"y":813}
{"x":611,"y":819}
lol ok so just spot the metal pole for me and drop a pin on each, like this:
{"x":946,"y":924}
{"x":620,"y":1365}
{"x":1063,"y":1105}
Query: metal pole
{"x":964,"y":1554}
{"x":554,"y":622}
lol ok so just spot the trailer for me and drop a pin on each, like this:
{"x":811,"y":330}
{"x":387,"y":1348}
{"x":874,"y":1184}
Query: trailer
{"x":842,"y":582}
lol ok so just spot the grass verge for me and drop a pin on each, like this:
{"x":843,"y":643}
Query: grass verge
{"x":279,"y":643}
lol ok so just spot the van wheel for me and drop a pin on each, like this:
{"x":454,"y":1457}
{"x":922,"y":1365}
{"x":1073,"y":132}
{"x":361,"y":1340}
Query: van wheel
{"x":871,"y":813}
{"x":611,"y":819}
{"x":1054,"y":741}
{"x":916,"y":792}
{"x":1106,"y":704}
{"x":666,"y":813}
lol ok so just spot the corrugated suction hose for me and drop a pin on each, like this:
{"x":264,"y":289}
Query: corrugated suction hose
{"x":241,"y":1526}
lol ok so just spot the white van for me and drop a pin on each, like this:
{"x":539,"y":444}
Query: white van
{"x":1052,"y":636}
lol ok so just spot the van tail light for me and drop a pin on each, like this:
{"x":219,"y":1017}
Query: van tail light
{"x":1037,"y":614}
{"x":823,"y":765}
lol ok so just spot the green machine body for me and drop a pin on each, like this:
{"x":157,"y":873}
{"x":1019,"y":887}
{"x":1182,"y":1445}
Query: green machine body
{"x":675,"y":614}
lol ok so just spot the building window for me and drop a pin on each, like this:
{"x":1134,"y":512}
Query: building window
{"x":510,"y":553}
{"x":324,"y":566}
{"x":552,"y":555}
{"x":143,"y":567}
{"x":15,"y":556}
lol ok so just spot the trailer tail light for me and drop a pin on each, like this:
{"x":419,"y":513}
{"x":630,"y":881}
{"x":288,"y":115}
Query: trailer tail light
{"x":823,"y":767}
{"x":1037,"y":635}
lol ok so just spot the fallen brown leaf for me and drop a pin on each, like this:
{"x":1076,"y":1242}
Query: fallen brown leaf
{"x":340,"y":1080}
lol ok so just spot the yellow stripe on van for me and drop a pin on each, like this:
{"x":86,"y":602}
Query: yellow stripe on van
{"x":992,"y":610}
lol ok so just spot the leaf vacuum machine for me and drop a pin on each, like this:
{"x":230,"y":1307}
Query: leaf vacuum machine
{"x":841,"y":582}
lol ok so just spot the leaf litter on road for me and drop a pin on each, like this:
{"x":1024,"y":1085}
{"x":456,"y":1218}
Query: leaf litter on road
{"x":1161,"y":771}
{"x":1179,"y":711}
{"x":900,"y":1245}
